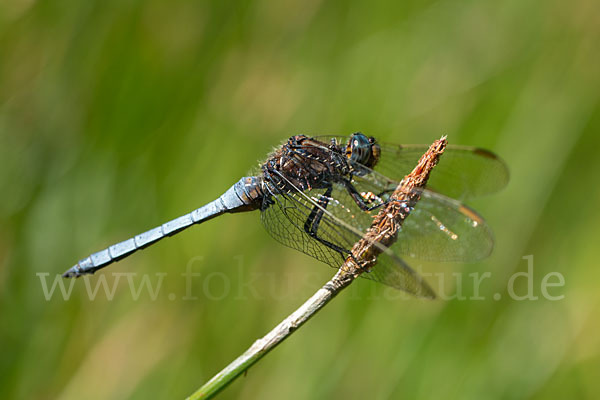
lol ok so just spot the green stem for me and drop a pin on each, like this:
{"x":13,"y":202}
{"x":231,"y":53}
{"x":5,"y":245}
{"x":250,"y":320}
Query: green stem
{"x":277,"y":335}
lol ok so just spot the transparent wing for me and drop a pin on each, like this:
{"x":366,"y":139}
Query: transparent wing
{"x":393,"y":271}
{"x":463,"y":172}
{"x":437,"y":229}
{"x":442,"y":229}
{"x":284,"y":216}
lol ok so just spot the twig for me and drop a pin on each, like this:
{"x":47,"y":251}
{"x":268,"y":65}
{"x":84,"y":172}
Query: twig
{"x":383,"y":232}
{"x":277,"y":335}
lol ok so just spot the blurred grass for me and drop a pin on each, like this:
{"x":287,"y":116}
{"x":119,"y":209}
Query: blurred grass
{"x":118,"y":115}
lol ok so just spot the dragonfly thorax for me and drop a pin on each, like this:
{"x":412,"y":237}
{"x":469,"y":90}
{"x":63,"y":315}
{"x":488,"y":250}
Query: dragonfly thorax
{"x":304,"y":163}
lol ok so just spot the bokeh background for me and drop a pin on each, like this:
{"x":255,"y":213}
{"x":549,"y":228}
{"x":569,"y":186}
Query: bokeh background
{"x":118,"y":115}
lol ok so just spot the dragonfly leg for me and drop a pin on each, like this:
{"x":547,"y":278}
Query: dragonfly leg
{"x":359,"y":199}
{"x":311,"y":225}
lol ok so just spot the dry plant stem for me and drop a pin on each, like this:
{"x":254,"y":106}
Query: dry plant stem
{"x":383,"y":231}
{"x":364,"y":256}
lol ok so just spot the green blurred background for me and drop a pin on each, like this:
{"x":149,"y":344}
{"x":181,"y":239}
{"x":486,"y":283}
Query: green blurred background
{"x":116,"y":116}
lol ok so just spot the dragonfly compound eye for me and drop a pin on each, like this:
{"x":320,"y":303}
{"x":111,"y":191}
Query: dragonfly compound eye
{"x":363,"y":150}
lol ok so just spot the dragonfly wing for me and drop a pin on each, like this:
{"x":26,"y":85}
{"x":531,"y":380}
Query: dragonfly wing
{"x":342,"y":224}
{"x":394,"y":272}
{"x":284,"y":216}
{"x":463,"y":172}
{"x":442,"y":229}
{"x":437,"y":229}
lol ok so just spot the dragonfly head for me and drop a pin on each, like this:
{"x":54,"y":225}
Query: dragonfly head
{"x":363,"y":150}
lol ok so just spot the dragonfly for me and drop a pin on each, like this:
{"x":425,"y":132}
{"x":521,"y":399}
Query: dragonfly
{"x":319,"y":195}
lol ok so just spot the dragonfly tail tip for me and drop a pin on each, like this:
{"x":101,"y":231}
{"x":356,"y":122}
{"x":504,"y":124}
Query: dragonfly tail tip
{"x":73,"y":272}
{"x":69,"y":274}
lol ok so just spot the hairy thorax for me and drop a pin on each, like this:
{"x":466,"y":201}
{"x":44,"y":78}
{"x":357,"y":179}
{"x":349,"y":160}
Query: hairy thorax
{"x":304,"y":163}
